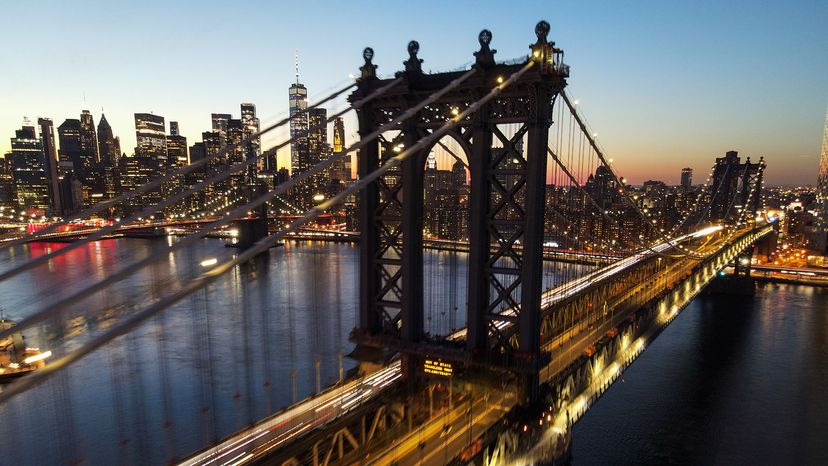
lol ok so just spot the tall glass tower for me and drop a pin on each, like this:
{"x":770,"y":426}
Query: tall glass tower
{"x":29,"y":165}
{"x":298,"y":96}
{"x":822,"y":192}
{"x":251,"y":125}
{"x":300,"y":159}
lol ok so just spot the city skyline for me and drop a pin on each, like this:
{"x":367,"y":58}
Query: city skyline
{"x":499,"y":266}
{"x":695,"y":82}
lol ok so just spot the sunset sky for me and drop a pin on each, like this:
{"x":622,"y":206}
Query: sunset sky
{"x":665,"y":84}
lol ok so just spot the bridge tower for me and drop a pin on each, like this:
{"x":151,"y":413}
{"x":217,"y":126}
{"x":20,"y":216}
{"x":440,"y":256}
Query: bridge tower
{"x":507,"y":199}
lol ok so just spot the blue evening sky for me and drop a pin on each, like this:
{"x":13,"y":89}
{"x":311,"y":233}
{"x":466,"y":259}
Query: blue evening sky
{"x":666,"y":84}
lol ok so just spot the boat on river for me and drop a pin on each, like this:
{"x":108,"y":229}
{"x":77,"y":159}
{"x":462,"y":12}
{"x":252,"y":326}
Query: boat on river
{"x":16,"y":359}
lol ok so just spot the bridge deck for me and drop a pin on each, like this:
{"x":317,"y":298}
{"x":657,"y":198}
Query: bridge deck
{"x":466,"y":421}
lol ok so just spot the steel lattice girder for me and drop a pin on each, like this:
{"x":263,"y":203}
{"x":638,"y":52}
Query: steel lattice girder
{"x":509,"y":211}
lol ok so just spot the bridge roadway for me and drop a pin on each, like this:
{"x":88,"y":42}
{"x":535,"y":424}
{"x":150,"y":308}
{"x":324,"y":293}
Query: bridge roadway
{"x":297,"y":419}
{"x":566,"y":349}
{"x":315,"y":412}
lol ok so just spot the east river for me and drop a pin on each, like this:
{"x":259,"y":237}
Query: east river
{"x":729,"y":382}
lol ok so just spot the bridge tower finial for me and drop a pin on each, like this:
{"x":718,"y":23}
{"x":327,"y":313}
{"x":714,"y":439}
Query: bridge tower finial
{"x":485,"y":56}
{"x":413,"y":65}
{"x":544,"y":52}
{"x":369,"y":70}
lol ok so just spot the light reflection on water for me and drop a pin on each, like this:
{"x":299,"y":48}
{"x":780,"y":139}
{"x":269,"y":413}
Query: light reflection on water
{"x":229,"y":351}
{"x":731,"y":381}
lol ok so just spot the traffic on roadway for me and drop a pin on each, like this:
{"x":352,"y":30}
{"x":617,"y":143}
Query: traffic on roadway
{"x":320,"y":409}
{"x":306,"y":415}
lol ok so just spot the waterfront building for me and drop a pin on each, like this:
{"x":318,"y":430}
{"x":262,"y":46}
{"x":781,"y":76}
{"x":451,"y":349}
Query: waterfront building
{"x":8,"y":192}
{"x":29,"y":170}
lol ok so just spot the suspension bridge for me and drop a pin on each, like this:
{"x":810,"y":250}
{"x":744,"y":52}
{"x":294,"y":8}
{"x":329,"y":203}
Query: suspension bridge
{"x":537,"y":336}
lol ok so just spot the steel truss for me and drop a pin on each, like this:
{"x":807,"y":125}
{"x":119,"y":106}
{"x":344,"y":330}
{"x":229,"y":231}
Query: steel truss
{"x":506,"y":205}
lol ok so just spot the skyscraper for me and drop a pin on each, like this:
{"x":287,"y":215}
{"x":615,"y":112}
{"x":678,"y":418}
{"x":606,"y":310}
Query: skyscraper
{"x":88,"y":139}
{"x":109,"y":147}
{"x":318,"y":150}
{"x":298,"y":99}
{"x":219,"y":122}
{"x":299,"y":154}
{"x":341,"y":169}
{"x":70,"y":153}
{"x":150,"y":137}
{"x":47,"y":137}
{"x":176,"y":147}
{"x":29,"y":168}
{"x":251,"y":125}
{"x":686,"y":178}
{"x":214,"y":142}
{"x":237,"y":132}
{"x":8,"y":192}
{"x":317,"y":135}
{"x":821,"y":242}
{"x":444,"y":193}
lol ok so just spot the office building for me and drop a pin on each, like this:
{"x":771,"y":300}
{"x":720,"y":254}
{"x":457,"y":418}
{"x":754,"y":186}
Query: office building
{"x":109,"y":146}
{"x":298,"y":99}
{"x":70,"y":155}
{"x":341,"y":169}
{"x":29,"y":170}
{"x":219,"y":122}
{"x":47,"y":137}
{"x":686,"y":178}
{"x":150,"y":137}
{"x":176,"y":147}
{"x":88,"y":139}
{"x":299,"y":154}
{"x":251,"y":125}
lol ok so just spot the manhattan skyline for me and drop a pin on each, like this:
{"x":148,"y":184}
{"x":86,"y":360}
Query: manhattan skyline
{"x":665,"y":87}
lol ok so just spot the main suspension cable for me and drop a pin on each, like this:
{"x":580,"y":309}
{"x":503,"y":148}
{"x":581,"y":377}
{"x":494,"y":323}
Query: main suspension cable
{"x":260,"y":246}
{"x":230,"y":216}
{"x":150,"y":210}
{"x":155,"y":184}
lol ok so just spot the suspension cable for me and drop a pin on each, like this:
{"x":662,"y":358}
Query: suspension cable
{"x":150,"y":210}
{"x":260,"y":246}
{"x":229,"y":217}
{"x":615,"y":177}
{"x":155,"y":184}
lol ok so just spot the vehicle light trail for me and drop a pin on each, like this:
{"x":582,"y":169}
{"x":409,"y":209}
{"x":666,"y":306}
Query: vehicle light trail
{"x":329,"y":405}
{"x":280,"y":428}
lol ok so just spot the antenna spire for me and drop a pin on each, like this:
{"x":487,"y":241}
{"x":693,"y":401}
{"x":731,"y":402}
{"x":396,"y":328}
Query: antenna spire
{"x":296,"y":55}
